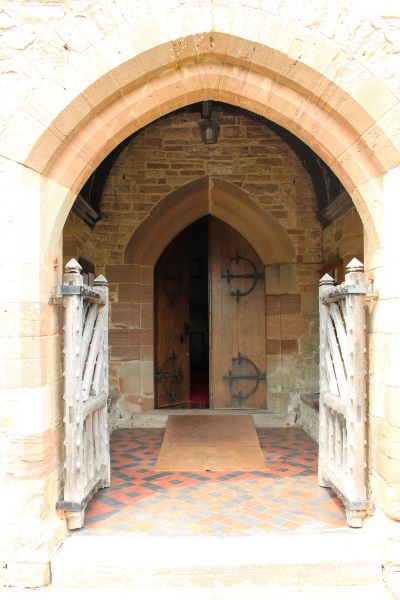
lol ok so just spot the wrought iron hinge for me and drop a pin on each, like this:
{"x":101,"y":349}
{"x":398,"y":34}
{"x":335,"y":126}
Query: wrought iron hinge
{"x":70,"y":290}
{"x":257,"y":376}
{"x":253,"y":276}
{"x":174,"y":377}
{"x":56,"y":296}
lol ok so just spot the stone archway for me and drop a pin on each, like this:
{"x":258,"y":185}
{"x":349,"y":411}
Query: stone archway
{"x":215,"y":197}
{"x":178,"y":210}
{"x":337,"y":95}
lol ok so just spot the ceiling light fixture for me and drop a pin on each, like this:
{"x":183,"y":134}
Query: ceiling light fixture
{"x":209,"y":129}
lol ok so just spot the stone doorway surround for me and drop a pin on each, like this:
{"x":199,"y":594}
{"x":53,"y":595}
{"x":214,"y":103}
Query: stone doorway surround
{"x":179,"y":209}
{"x":287,"y":61}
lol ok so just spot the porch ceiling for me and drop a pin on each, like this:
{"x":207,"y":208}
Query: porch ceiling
{"x":332,"y":199}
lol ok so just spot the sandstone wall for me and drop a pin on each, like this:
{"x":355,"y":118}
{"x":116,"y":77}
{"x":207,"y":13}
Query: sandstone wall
{"x":344,"y":239}
{"x":77,"y":78}
{"x":163,"y":158}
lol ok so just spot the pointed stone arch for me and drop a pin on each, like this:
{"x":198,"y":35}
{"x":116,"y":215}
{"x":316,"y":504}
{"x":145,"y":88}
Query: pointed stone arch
{"x":197,"y":199}
{"x":311,"y":94}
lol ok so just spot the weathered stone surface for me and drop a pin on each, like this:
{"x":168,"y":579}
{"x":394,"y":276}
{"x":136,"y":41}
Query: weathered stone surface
{"x":32,"y":456}
{"x":23,"y":574}
{"x":77,"y":82}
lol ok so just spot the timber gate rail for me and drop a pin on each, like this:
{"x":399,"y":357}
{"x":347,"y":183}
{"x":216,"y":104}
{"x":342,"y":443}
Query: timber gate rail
{"x":342,"y":404}
{"x":87,"y":452}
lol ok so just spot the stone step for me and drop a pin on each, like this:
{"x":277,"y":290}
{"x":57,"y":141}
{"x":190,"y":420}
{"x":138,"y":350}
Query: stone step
{"x":158,"y":418}
{"x":363,"y":592}
{"x":331,"y":559}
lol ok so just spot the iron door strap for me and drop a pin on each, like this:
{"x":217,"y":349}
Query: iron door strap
{"x":254,"y":276}
{"x":255,"y":376}
{"x":174,"y":377}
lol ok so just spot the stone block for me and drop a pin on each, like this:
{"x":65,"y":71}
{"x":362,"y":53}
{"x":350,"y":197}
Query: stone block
{"x":146,"y":293}
{"x":146,"y":275}
{"x":290,"y":346}
{"x":124,"y":353}
{"x":278,"y":402}
{"x":388,"y":439}
{"x":147,"y":378}
{"x":32,"y":456}
{"x":32,"y":409}
{"x":273,"y":347}
{"x":273,"y":327}
{"x":129,"y":377}
{"x":385,"y":496}
{"x":146,"y":353}
{"x":146,"y":316}
{"x":290,"y":304}
{"x":294,"y":326}
{"x":125,"y":314}
{"x":33,"y":575}
{"x":309,"y":304}
{"x":272,"y":305}
{"x":388,"y":468}
{"x":391,"y":404}
{"x":122,"y":274}
{"x":288,"y":279}
{"x":272,"y":280}
{"x":146,"y":336}
{"x":118,"y":337}
{"x":129,"y":292}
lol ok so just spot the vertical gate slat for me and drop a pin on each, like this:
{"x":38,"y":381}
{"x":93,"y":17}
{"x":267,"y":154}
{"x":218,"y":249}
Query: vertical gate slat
{"x":88,"y":332}
{"x":330,"y":372}
{"x":91,"y":361}
{"x":337,"y":359}
{"x":98,"y":371}
{"x":340,"y":331}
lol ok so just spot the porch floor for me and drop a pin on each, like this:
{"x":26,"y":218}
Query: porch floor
{"x":143,"y":502}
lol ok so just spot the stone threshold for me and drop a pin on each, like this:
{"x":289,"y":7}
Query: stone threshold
{"x":159,"y":417}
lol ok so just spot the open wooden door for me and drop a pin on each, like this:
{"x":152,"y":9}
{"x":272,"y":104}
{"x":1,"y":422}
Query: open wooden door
{"x":237,"y":361}
{"x":172,"y":339}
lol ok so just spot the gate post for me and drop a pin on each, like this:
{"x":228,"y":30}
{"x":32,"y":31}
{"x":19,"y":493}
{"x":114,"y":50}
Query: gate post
{"x":73,"y":304}
{"x":356,"y":384}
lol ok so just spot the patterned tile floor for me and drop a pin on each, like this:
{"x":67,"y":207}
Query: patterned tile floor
{"x":143,"y":502}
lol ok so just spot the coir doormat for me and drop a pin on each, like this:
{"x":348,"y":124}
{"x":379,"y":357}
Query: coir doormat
{"x":211,"y":443}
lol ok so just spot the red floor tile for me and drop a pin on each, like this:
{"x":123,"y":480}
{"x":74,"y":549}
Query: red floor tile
{"x":143,"y":502}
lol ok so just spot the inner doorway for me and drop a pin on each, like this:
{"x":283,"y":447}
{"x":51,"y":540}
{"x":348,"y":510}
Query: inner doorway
{"x":210,"y":321}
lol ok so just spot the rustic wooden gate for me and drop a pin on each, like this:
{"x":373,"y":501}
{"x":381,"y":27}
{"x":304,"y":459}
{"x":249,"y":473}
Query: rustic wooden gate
{"x":87,"y":453}
{"x":342,"y":434}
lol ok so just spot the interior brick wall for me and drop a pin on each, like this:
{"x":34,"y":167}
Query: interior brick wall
{"x":162,"y":158}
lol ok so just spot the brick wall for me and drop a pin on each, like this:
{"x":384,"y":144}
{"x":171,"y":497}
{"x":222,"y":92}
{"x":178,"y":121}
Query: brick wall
{"x":162,"y":158}
{"x":344,"y":239}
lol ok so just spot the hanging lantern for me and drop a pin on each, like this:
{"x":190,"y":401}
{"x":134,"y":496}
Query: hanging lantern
{"x":209,"y":131}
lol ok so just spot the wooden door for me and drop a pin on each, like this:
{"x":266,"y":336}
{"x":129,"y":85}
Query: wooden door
{"x":172,"y":339}
{"x":237,"y":317}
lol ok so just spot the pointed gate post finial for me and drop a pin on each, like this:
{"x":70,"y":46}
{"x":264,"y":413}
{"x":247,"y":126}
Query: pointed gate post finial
{"x":73,"y":266}
{"x":100,"y":280}
{"x":326,"y":280}
{"x":355,"y":266}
